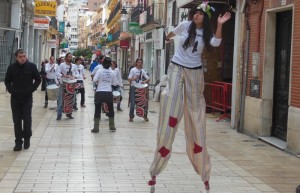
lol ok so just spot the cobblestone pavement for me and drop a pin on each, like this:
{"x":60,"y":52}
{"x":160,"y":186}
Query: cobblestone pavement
{"x":66,"y":157}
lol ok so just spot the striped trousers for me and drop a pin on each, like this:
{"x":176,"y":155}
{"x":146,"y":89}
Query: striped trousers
{"x":183,"y":95}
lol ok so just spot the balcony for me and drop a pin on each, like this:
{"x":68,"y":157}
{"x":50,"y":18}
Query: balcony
{"x":135,"y":14}
{"x":154,"y":16}
{"x":111,"y":4}
{"x":114,"y":16}
{"x":115,"y":38}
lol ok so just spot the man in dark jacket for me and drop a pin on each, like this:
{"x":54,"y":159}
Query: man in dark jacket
{"x":21,"y":80}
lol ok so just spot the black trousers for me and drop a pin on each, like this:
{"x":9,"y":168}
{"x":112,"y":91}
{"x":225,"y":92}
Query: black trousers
{"x":82,"y":99}
{"x":104,"y":97}
{"x":21,"y":112}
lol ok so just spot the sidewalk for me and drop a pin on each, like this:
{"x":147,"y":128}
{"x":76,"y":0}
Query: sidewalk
{"x":66,"y":157}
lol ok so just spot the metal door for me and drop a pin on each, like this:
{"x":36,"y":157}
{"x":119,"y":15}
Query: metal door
{"x":282,"y":74}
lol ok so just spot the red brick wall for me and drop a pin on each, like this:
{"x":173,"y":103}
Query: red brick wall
{"x":295,"y":59}
{"x":295,"y":70}
{"x":255,"y":46}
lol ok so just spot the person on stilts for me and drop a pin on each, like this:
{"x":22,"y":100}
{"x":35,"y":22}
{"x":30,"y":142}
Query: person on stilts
{"x":183,"y":94}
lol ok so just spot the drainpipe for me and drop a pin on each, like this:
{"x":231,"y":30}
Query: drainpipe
{"x":245,"y":76}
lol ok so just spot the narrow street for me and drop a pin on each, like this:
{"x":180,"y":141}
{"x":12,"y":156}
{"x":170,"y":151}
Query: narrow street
{"x":66,"y":157}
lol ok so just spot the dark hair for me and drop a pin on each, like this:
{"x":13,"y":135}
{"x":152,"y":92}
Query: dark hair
{"x":106,"y":62}
{"x":19,"y":51}
{"x":68,"y":54}
{"x":207,"y":34}
{"x":101,"y":57}
{"x":59,"y":60}
{"x":138,"y":60}
{"x":77,"y":59}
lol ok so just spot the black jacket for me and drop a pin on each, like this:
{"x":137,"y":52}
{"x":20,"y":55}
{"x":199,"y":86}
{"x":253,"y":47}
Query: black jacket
{"x":22,"y":80}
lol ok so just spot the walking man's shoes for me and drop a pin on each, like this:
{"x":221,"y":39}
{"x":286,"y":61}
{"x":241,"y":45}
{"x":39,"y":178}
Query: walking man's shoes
{"x":46,"y":105}
{"x":58,"y":118}
{"x":75,"y":108}
{"x":26,"y":143}
{"x":18,"y":147}
{"x":112,"y":129}
{"x":70,"y":116}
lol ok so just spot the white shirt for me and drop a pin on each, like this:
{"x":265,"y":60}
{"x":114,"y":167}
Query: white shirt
{"x":186,"y":57}
{"x":51,"y":70}
{"x":118,"y":75}
{"x":81,"y":71}
{"x":63,"y":69}
{"x":105,"y":78}
{"x":99,"y":66}
{"x":134,"y":72}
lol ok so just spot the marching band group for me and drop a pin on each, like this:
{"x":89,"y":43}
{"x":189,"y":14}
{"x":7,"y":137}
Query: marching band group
{"x":65,"y":80}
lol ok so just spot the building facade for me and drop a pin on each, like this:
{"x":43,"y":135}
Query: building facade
{"x":272,"y":103}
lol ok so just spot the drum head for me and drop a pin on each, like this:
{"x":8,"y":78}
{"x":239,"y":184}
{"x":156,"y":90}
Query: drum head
{"x":52,"y":86}
{"x":139,"y":85}
{"x":116,"y":93}
{"x":70,"y":81}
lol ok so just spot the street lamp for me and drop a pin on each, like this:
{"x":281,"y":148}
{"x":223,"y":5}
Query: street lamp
{"x":124,"y":20}
{"x":68,"y":25}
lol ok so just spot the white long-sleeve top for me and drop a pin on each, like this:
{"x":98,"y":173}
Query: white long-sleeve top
{"x":105,"y":78}
{"x":51,"y":70}
{"x":190,"y":57}
{"x":81,"y":71}
{"x":63,"y":69}
{"x":118,"y":75}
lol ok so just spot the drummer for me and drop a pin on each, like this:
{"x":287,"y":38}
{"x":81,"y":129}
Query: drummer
{"x":66,"y":70}
{"x":119,"y":87}
{"x":81,"y":77}
{"x":50,"y":69}
{"x":136,"y":76}
{"x":104,"y":78}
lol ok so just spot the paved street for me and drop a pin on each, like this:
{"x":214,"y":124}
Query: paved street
{"x":66,"y":157}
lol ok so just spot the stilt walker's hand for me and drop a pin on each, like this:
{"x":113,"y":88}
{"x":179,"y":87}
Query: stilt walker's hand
{"x":224,"y":18}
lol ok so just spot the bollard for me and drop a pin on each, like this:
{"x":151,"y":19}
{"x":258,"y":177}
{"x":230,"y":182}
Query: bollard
{"x":298,"y":189}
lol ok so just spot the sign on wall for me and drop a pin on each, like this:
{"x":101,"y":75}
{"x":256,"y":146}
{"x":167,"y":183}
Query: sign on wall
{"x":61,"y":27}
{"x":45,"y":7}
{"x":41,"y":23}
{"x":52,"y":43}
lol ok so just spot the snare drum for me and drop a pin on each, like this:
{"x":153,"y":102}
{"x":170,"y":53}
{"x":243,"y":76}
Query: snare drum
{"x":116,"y":96}
{"x":52,"y":92}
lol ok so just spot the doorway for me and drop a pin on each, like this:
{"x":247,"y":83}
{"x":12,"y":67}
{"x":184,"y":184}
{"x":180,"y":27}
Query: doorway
{"x":282,"y":74}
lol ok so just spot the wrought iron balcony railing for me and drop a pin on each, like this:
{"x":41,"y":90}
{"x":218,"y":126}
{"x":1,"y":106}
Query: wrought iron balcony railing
{"x":114,"y":12}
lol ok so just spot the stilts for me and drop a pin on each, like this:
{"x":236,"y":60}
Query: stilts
{"x":206,"y":183}
{"x":152,"y":183}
